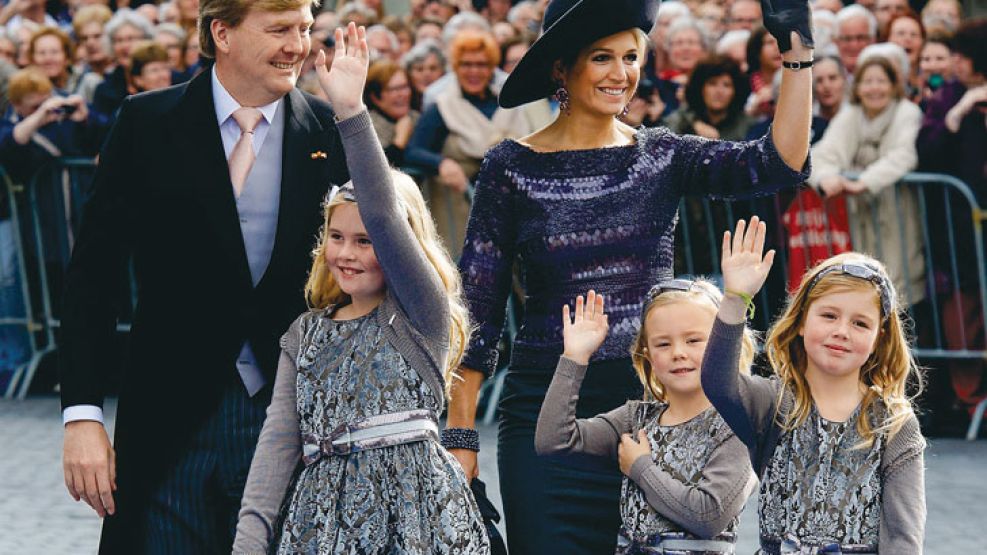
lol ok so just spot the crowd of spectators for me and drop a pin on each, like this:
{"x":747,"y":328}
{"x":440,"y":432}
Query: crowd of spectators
{"x":898,"y":86}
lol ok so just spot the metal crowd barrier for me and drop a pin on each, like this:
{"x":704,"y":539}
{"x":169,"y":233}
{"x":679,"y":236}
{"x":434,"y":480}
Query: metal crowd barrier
{"x":17,"y":324}
{"x":54,"y":199}
{"x":44,"y":216}
{"x":952,"y":251}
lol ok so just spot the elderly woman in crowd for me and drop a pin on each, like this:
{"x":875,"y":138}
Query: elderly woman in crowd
{"x":388,"y":97}
{"x":126,"y":29}
{"x":686,"y":45}
{"x":714,"y":102}
{"x":150,"y":68}
{"x":171,"y":37}
{"x":50,"y":50}
{"x":942,"y":15}
{"x":453,"y":134}
{"x":424,"y":64}
{"x":874,"y":137}
{"x":89,"y":26}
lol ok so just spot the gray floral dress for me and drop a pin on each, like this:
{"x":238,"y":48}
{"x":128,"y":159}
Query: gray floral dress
{"x":411,"y":498}
{"x":682,"y":451}
{"x":819,"y":489}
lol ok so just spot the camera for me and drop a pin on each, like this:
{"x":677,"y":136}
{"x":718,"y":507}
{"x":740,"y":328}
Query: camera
{"x":66,"y":110}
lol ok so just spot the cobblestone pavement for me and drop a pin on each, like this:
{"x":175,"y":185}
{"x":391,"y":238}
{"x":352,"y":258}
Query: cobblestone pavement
{"x":38,"y":517}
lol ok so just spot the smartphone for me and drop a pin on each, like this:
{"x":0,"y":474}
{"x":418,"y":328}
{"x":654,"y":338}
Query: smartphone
{"x":66,"y":110}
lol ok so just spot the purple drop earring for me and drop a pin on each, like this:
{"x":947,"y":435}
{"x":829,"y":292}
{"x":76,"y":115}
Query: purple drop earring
{"x":562,"y":95}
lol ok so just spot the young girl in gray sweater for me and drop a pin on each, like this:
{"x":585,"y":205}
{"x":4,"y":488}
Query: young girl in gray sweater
{"x":832,"y":435}
{"x":348,"y":460}
{"x":686,"y":474}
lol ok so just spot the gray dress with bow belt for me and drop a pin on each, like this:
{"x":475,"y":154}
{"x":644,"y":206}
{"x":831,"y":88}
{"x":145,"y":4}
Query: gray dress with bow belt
{"x":403,"y":498}
{"x":409,"y":498}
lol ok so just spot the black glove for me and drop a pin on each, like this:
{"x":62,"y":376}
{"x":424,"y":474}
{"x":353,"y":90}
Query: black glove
{"x":781,"y":17}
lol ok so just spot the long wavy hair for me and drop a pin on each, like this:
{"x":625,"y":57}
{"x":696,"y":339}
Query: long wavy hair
{"x":886,"y":372}
{"x":702,"y":294}
{"x":322,"y":290}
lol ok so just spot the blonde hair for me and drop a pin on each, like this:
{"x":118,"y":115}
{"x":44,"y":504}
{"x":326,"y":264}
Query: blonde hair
{"x":233,"y":12}
{"x":474,"y":41}
{"x":702,"y":293}
{"x":27,"y":81}
{"x":885,"y":373}
{"x":93,"y":13}
{"x":322,"y":290}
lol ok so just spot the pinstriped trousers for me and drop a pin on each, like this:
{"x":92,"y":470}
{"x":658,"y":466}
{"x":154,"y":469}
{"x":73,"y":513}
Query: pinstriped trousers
{"x":195,"y":509}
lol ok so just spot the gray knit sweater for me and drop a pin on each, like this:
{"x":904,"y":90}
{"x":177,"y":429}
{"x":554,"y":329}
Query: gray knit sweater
{"x":749,"y":405}
{"x":414,"y":316}
{"x":704,"y":508}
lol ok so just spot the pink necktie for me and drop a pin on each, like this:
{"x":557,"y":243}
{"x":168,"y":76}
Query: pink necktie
{"x":242,"y":157}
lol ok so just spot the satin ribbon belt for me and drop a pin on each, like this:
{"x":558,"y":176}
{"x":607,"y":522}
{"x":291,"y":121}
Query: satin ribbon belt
{"x":793,"y":546}
{"x":679,"y":544}
{"x":382,"y":430}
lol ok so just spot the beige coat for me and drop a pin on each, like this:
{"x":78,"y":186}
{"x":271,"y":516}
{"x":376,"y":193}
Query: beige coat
{"x":884,"y":220}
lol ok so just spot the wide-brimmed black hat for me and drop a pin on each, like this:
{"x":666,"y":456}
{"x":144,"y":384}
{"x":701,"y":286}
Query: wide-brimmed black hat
{"x":568,"y":26}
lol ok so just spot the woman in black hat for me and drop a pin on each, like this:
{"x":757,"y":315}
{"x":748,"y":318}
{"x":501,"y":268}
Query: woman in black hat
{"x":590,"y":203}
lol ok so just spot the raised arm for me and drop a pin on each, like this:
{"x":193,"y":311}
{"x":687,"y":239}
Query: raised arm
{"x":789,"y":21}
{"x":409,"y":275}
{"x":559,"y":432}
{"x":741,"y":401}
{"x":278,"y":453}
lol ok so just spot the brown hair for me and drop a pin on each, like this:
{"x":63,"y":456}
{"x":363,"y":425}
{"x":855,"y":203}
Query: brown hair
{"x":472,"y":41}
{"x":885,"y":373}
{"x":702,"y":293}
{"x":378,"y":76}
{"x":232,"y":12}
{"x":27,"y":81}
{"x":889,"y":70}
{"x":62,"y":37}
{"x":146,"y":52}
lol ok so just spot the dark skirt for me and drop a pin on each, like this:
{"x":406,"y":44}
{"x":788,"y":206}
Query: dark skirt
{"x":559,"y":505}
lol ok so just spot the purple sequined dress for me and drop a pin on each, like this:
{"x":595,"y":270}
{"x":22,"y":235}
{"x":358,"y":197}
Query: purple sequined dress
{"x":601,"y":219}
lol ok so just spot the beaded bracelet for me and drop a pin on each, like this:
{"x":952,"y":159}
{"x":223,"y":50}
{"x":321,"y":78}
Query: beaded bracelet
{"x":748,"y":301}
{"x":460,"y":438}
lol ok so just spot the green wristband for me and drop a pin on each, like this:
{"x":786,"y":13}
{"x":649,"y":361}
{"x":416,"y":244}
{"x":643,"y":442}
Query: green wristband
{"x":748,"y":301}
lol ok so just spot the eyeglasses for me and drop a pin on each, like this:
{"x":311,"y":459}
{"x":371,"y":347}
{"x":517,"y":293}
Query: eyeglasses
{"x":683,"y":285}
{"x":861,"y":270}
{"x":397,"y":88}
{"x":854,"y":38}
{"x":474,"y":65}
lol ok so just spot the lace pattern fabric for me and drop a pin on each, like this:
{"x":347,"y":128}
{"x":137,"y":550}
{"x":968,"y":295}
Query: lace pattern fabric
{"x":819,"y":490}
{"x":410,"y":498}
{"x":681,"y":450}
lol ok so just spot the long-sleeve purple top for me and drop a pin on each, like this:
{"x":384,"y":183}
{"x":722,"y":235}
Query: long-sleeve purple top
{"x":601,"y":219}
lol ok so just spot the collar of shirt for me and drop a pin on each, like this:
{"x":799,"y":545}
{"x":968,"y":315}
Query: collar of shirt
{"x":225,"y":105}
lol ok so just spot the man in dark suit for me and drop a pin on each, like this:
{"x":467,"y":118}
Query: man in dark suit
{"x":214,"y":188}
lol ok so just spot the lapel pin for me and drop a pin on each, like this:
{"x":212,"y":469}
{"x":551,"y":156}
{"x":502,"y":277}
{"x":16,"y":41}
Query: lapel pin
{"x":319,"y":155}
